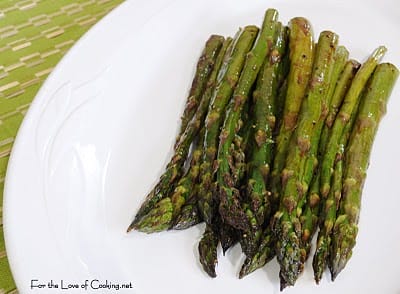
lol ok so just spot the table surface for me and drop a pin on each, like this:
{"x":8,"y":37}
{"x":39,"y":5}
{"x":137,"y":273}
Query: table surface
{"x":34,"y":35}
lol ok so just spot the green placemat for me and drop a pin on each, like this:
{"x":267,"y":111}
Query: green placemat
{"x":34,"y":35}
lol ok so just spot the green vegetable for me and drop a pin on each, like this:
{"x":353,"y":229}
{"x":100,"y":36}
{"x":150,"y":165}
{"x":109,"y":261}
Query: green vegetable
{"x":295,"y":176}
{"x":229,"y":76}
{"x":330,"y":203}
{"x":174,"y":168}
{"x":161,"y":216}
{"x":208,"y":250}
{"x":204,"y":68}
{"x":262,"y":256}
{"x":230,"y":207}
{"x":309,"y":219}
{"x":264,"y":105}
{"x":371,"y":110}
{"x":301,"y":52}
{"x":189,"y":215}
{"x":265,"y":99}
{"x":350,"y":103}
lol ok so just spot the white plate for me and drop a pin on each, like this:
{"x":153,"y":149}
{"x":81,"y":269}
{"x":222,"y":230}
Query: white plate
{"x":101,"y":129}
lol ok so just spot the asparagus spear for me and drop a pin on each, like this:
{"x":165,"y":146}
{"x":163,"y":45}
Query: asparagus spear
{"x":309,"y":219}
{"x":350,"y":103}
{"x":228,"y":236}
{"x":301,"y":51}
{"x":203,"y":70}
{"x":230,"y":207}
{"x":188,"y":217}
{"x":264,"y":98}
{"x":186,"y":184}
{"x":208,"y":250}
{"x":295,"y":182}
{"x":174,"y":168}
{"x":250,"y":240}
{"x":161,"y":216}
{"x":189,"y":214}
{"x":338,"y":137}
{"x":328,"y":217}
{"x":263,"y":255}
{"x":328,"y":206}
{"x":229,"y":77}
{"x":258,"y":244}
{"x":371,"y":110}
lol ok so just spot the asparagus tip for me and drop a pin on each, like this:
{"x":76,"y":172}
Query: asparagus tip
{"x":337,"y":266}
{"x":132,"y":226}
{"x":283,"y":285}
{"x":334,"y":274}
{"x":245,"y":270}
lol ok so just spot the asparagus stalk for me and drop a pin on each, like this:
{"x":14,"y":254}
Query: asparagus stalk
{"x":262,"y":256}
{"x":250,"y":240}
{"x":301,"y":52}
{"x":258,"y":244}
{"x":283,"y":83}
{"x":279,"y":107}
{"x":161,"y":216}
{"x":328,"y":206}
{"x":337,"y":139}
{"x":203,"y":70}
{"x":264,"y":103}
{"x":309,"y":219}
{"x":186,"y":184}
{"x":295,"y":182}
{"x":318,"y":142}
{"x":229,"y":77}
{"x":371,"y":110}
{"x":228,"y":236}
{"x":265,"y":99}
{"x":350,"y":103}
{"x":189,"y":214}
{"x":230,"y":207}
{"x":328,"y":217}
{"x":232,"y":67}
{"x":208,"y":250}
{"x":174,"y":168}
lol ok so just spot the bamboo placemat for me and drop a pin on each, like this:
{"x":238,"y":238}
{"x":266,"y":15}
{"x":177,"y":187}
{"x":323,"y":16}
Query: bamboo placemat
{"x":34,"y":35}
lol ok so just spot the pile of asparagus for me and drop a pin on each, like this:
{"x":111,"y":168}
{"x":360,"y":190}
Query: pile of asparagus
{"x":281,"y":130}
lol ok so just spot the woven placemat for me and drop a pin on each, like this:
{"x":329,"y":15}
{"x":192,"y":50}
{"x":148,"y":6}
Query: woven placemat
{"x":34,"y":35}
